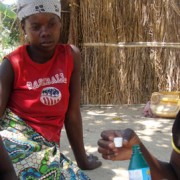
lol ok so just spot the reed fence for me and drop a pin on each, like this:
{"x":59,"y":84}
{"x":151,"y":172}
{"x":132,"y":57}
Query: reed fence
{"x":129,"y":48}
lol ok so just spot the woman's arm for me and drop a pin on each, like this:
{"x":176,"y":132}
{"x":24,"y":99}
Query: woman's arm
{"x":73,"y":121}
{"x":159,"y":169}
{"x":175,"y":156}
{"x":6,"y":83}
{"x":166,"y":170}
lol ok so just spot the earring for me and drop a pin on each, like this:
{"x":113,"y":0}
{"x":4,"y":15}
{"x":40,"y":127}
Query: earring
{"x":26,"y":40}
{"x":25,"y":37}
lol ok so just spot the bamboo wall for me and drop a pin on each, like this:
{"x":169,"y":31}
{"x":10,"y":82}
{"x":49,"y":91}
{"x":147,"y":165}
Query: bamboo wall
{"x":116,"y":67}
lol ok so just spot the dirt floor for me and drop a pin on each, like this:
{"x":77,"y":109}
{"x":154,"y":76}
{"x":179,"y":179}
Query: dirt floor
{"x":154,"y":132}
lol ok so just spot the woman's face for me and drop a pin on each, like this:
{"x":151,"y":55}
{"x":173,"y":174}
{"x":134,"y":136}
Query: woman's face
{"x":42,"y":30}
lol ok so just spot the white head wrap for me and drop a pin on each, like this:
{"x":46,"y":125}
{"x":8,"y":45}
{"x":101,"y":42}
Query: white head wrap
{"x":26,"y":8}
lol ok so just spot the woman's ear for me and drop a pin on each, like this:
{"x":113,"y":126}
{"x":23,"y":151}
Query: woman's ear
{"x":26,"y":41}
{"x":23,"y":26}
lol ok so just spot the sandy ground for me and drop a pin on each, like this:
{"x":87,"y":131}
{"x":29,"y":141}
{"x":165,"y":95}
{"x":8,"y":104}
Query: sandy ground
{"x":154,"y":132}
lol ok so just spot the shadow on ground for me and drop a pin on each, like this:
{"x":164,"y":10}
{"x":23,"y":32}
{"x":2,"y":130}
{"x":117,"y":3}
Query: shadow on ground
{"x":154,"y":132}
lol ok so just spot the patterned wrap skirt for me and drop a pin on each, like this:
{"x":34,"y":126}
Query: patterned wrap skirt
{"x":34,"y":157}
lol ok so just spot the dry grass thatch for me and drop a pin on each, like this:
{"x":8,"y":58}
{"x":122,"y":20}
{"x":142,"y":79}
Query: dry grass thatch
{"x":128,"y":72}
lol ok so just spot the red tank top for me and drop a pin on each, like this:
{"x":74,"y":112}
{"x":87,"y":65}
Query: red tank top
{"x":41,"y":91}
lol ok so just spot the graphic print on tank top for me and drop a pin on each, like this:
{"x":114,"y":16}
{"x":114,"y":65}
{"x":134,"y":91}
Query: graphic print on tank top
{"x":50,"y":96}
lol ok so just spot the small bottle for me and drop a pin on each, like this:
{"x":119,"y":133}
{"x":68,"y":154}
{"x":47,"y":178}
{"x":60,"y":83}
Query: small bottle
{"x":138,"y":168}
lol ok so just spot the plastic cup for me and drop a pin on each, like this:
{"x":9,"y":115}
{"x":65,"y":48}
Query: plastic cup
{"x":118,"y":141}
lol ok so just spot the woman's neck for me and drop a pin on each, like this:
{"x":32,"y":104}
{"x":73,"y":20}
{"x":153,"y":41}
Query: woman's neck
{"x":39,"y":56}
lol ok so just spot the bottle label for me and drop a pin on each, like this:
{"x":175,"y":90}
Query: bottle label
{"x":140,"y":174}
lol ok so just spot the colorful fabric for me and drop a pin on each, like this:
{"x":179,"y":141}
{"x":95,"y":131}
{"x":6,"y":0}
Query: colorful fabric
{"x":41,"y":90}
{"x":26,"y":8}
{"x":32,"y":155}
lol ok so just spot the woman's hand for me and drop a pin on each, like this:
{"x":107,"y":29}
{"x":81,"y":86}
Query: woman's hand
{"x":107,"y":147}
{"x":91,"y":163}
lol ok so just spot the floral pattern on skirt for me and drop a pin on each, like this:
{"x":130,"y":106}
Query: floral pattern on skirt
{"x":32,"y":155}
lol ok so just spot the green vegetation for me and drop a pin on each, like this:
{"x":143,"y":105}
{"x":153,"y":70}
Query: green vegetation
{"x":9,"y":29}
